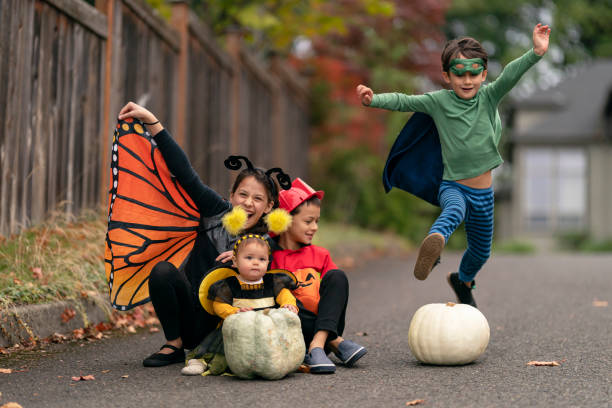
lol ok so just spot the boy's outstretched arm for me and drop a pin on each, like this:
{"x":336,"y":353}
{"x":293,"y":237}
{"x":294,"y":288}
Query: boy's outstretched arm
{"x":541,"y":35}
{"x":365,"y":94}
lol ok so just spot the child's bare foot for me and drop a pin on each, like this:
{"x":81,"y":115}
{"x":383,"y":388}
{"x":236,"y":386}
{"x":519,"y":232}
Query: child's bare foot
{"x":429,"y":254}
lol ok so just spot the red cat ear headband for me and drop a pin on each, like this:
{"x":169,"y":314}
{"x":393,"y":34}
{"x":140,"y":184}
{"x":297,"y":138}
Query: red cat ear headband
{"x":297,"y":194}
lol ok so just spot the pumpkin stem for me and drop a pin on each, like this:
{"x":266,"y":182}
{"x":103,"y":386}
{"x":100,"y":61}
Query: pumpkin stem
{"x":450,"y":304}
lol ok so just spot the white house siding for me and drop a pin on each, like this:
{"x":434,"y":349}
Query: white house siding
{"x":551,"y":190}
{"x":600,"y":191}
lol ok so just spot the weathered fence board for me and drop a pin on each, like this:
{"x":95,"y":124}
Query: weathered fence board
{"x":66,"y":68}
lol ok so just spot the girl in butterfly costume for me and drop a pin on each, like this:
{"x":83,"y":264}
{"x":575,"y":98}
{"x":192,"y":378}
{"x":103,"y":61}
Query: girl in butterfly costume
{"x":165,"y":232}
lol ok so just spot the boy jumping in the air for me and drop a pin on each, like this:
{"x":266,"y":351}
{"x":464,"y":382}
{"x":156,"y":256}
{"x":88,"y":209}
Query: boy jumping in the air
{"x":469,"y":128}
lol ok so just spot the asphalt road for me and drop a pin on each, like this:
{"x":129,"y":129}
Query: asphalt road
{"x":538,"y":307}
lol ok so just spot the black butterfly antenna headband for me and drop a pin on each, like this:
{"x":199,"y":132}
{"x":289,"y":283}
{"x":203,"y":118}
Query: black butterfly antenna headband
{"x":233,"y":162}
{"x":284,"y":180}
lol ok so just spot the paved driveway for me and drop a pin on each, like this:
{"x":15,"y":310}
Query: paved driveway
{"x":538,"y":307}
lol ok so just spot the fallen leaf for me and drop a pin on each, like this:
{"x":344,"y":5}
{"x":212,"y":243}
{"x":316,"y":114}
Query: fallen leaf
{"x":37,"y":273}
{"x":78,"y":333}
{"x":361,"y":334}
{"x":5,"y":370}
{"x":58,"y":338}
{"x":304,"y":368}
{"x":153,"y":329}
{"x":3,"y":350}
{"x":131,"y":329}
{"x":104,"y":326}
{"x":83,"y":378}
{"x":600,"y":303}
{"x":11,"y":405}
{"x":67,"y":314}
{"x":415,"y":402}
{"x":544,"y":363}
{"x":16,"y":281}
{"x":106,"y":371}
{"x":125,"y":376}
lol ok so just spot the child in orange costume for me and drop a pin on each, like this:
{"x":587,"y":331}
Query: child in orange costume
{"x":323,"y":290}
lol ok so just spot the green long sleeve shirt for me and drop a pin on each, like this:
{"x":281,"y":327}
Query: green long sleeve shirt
{"x":469,"y":130}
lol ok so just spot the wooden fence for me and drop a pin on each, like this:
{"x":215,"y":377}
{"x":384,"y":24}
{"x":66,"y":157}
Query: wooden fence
{"x":66,"y":68}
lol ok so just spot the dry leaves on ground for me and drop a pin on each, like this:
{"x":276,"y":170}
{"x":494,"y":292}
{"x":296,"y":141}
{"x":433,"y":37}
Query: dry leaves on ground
{"x":544,"y":363}
{"x":37,"y":273}
{"x":84,"y":378}
{"x":11,"y":405}
{"x":67,"y":314}
{"x":415,"y":402}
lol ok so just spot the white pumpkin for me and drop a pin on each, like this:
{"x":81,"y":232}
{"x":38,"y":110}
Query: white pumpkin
{"x":448,"y":334}
{"x":266,"y":343}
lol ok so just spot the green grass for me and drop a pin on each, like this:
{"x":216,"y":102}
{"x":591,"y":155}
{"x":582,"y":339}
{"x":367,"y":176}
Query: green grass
{"x":582,"y":242}
{"x":514,"y":247}
{"x":341,"y":239}
{"x":56,"y":260}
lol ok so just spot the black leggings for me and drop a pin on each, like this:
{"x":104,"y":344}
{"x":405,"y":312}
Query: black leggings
{"x":334,"y":293}
{"x":178,"y":310}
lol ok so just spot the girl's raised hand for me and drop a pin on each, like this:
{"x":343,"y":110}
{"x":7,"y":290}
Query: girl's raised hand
{"x":541,"y":35}
{"x":133,"y":110}
{"x":365,"y":94}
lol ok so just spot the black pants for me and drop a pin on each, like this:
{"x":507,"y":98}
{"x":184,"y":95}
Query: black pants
{"x":334,"y":293}
{"x":178,"y":309}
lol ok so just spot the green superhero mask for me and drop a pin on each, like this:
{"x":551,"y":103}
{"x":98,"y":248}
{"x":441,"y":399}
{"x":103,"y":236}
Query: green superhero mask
{"x":459,"y":66}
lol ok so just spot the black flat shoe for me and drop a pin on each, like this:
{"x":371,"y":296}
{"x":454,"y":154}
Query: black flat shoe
{"x":464,"y":294}
{"x":159,"y":360}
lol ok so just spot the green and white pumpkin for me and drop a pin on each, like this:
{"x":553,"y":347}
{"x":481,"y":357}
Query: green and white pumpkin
{"x":448,"y":334}
{"x":266,"y":343}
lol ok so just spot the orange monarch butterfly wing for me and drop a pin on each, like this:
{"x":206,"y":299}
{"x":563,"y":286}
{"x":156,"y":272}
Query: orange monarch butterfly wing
{"x":150,"y":217}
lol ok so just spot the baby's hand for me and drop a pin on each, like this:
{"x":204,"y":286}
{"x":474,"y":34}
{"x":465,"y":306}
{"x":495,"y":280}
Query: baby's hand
{"x":541,"y":35}
{"x":292,"y":308}
{"x":245,"y":309}
{"x":365,"y":94}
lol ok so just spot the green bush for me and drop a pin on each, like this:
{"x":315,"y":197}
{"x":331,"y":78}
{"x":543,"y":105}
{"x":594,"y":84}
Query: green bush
{"x":581,"y":241}
{"x":354,"y":194}
{"x":514,"y":247}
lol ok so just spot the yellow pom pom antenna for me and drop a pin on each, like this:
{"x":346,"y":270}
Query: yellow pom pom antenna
{"x":278,"y":221}
{"x":235,"y":220}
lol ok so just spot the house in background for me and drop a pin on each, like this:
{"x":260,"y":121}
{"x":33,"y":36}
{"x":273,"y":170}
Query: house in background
{"x":561,"y":142}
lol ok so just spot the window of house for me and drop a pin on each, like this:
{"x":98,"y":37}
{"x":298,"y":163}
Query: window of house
{"x":555,"y":189}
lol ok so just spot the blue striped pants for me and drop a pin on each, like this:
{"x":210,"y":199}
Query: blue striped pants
{"x":475,"y":206}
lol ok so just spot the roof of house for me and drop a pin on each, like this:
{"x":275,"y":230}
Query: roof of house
{"x":571,"y":112}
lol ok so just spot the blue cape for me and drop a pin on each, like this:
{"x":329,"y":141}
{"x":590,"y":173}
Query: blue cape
{"x":415,"y":160}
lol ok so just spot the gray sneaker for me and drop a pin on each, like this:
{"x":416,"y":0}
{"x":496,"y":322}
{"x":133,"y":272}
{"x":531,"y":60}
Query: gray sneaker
{"x":318,"y":362}
{"x":349,"y":352}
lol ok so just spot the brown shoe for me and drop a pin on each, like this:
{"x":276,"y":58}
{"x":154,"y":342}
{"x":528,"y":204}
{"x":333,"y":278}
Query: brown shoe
{"x":429,"y":255}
